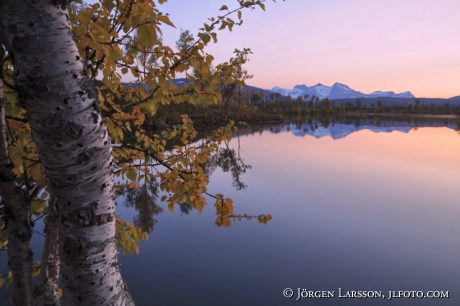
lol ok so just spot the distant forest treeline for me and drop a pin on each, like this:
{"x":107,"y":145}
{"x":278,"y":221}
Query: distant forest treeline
{"x":276,"y":103}
{"x":252,"y":104}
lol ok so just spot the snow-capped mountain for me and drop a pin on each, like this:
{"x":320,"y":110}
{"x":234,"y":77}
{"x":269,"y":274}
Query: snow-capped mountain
{"x":295,"y":92}
{"x":390,"y":94}
{"x":336,"y":91}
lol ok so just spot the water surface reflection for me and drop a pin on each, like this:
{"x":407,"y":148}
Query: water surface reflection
{"x":353,"y":208}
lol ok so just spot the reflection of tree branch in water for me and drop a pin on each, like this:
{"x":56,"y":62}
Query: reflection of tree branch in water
{"x":229,"y":160}
{"x":144,"y":199}
{"x":185,"y":208}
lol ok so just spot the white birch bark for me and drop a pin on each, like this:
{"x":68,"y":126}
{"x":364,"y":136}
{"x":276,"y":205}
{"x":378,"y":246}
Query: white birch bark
{"x":71,"y":138}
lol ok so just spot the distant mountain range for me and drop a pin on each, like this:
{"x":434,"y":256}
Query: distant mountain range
{"x":343,"y":93}
{"x":336,"y":91}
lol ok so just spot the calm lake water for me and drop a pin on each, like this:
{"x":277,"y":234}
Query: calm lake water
{"x":364,"y":206}
{"x":355,"y":206}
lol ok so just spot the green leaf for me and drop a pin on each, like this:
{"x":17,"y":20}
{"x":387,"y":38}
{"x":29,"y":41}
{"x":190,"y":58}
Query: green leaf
{"x":44,"y":195}
{"x":118,"y":132}
{"x":4,"y":234}
{"x":37,"y":206}
{"x":110,"y":125}
{"x":205,"y":37}
{"x":12,"y":97}
{"x":214,"y":37}
{"x":132,"y":174}
{"x":147,"y":34}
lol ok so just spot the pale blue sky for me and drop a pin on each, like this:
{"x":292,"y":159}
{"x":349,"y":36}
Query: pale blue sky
{"x":398,"y":45}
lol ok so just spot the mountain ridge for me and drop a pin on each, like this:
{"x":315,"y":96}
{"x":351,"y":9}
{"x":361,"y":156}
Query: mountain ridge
{"x":336,"y":91}
{"x":301,"y":88}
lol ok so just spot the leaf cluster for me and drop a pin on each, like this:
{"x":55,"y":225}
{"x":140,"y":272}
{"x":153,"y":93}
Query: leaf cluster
{"x":118,"y":39}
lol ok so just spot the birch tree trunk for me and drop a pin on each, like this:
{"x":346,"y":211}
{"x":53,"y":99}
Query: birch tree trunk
{"x":73,"y":146}
{"x":20,"y":254}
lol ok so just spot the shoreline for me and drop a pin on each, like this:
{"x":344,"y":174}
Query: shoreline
{"x":434,"y":116}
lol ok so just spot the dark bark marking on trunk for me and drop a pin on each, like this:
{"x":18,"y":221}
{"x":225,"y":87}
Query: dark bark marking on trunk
{"x":21,"y":43}
{"x":13,"y":29}
{"x":20,"y":236}
{"x":6,"y":173}
{"x":86,"y":217}
{"x":82,"y":249}
{"x":73,"y":129}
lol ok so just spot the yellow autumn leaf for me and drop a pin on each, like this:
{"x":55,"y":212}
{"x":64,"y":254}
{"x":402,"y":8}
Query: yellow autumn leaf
{"x":166,"y":20}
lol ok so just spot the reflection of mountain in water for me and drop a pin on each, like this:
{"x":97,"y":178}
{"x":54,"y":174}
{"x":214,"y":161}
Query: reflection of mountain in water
{"x":338,"y":129}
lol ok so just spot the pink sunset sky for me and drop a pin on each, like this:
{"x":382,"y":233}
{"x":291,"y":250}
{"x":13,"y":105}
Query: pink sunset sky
{"x":388,"y":45}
